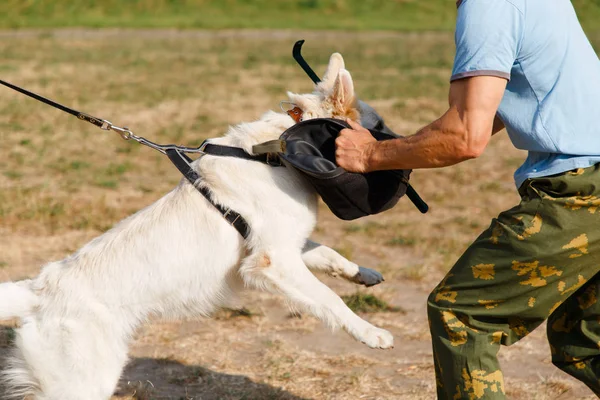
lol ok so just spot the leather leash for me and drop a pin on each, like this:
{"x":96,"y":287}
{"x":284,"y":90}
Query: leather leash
{"x":175,"y":154}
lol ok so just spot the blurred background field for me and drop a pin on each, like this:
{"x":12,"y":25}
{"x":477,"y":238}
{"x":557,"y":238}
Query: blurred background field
{"x":63,"y":182}
{"x":404,"y":15}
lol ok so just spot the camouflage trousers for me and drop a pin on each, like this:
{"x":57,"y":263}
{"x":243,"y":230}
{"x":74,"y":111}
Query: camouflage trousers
{"x":539,"y":260}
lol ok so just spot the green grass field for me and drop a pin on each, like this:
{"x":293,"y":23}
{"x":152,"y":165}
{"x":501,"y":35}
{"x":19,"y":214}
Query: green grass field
{"x":404,"y":15}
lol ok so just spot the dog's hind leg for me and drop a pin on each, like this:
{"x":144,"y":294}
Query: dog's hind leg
{"x":322,"y":258}
{"x":66,"y":357}
{"x":286,"y":273}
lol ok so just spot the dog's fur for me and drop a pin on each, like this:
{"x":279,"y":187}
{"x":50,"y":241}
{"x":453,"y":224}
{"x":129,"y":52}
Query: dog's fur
{"x":179,"y":258}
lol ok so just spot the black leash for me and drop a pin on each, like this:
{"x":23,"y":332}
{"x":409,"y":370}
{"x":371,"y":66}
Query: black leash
{"x":174,"y":152}
{"x":100,"y":123}
{"x":104,"y":124}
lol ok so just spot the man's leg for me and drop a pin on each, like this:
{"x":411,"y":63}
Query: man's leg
{"x":574,"y":334}
{"x":531,"y":259}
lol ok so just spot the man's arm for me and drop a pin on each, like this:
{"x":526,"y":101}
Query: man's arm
{"x":460,"y":134}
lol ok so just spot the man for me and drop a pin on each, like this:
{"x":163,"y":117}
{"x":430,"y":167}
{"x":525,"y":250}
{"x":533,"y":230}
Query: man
{"x":526,"y":65}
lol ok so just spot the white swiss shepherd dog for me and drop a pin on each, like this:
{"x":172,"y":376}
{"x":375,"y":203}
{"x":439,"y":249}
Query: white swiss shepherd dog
{"x":179,"y":258}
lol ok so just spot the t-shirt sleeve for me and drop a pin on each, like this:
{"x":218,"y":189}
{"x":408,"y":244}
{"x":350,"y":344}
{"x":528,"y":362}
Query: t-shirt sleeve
{"x":488,"y":37}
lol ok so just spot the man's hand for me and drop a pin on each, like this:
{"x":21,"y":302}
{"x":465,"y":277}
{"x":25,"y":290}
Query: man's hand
{"x":353,"y":148}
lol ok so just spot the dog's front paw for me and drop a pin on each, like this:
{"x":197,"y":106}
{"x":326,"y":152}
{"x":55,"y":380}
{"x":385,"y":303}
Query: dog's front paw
{"x":377,"y":338}
{"x":368,"y":277}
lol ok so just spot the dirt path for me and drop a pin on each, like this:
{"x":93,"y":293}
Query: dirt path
{"x":305,"y":359}
{"x":273,"y":355}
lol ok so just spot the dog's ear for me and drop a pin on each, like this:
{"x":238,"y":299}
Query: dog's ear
{"x":342,"y":96}
{"x":336,"y":63}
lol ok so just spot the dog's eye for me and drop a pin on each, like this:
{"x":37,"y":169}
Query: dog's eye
{"x":379,"y":126}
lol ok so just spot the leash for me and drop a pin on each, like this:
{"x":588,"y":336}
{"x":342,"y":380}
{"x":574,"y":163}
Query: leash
{"x":104,"y":124}
{"x":175,"y":154}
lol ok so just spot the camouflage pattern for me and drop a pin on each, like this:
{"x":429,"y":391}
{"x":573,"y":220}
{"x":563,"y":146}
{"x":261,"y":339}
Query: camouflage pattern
{"x":536,"y":261}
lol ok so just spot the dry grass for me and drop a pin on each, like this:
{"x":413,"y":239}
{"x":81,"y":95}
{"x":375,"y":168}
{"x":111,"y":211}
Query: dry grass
{"x":368,"y":303}
{"x":63,"y":182}
{"x":7,"y":336}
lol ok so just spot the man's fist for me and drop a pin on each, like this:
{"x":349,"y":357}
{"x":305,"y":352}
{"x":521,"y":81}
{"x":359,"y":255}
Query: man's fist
{"x":353,"y":148}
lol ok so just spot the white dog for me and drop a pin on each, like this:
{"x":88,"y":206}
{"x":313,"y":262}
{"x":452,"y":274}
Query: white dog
{"x":179,"y":258}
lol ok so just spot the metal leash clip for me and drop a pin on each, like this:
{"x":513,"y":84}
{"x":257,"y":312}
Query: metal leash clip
{"x":124,"y":132}
{"x":103,"y":124}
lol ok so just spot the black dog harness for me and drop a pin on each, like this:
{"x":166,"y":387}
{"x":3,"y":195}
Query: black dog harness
{"x":183,"y":164}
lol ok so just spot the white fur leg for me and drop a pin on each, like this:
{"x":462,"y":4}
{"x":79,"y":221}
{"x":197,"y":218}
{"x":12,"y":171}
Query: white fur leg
{"x":16,"y":299}
{"x":63,"y":359}
{"x":323,"y":258}
{"x":287,"y":274}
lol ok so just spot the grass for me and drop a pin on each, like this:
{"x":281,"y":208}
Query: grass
{"x":243,"y":312}
{"x":368,"y":228}
{"x":401,"y":241}
{"x":7,"y":336}
{"x":142,"y":390}
{"x":403,"y":15}
{"x":368,"y":303}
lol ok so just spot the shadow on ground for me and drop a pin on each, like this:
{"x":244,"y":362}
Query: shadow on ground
{"x":166,"y":379}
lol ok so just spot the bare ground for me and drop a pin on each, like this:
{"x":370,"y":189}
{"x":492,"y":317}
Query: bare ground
{"x":50,"y":208}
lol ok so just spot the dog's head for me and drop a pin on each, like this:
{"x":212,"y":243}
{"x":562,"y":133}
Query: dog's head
{"x":334,"y":97}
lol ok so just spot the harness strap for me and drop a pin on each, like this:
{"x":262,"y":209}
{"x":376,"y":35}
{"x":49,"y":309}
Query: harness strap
{"x":183,"y":164}
{"x":228,"y":151}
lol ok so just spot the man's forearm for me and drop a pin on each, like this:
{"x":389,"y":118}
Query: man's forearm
{"x":460,"y":134}
{"x":440,"y":144}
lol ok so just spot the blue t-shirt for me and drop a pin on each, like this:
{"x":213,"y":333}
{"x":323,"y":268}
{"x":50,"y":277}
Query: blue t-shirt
{"x":551,"y":106}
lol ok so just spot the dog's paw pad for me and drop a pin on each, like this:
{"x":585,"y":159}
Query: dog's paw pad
{"x":377,"y":338}
{"x":368,"y":277}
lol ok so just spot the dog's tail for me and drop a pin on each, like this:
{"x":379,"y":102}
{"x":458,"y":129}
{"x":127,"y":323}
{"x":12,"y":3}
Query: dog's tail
{"x":16,"y":299}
